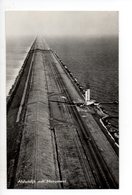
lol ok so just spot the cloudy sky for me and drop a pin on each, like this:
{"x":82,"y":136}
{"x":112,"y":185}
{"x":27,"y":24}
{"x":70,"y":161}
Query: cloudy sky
{"x":62,"y":23}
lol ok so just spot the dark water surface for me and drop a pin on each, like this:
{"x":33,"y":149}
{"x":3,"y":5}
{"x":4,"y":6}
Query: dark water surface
{"x":93,"y":61}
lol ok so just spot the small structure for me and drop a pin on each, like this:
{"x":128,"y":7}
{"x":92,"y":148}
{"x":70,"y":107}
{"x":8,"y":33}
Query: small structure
{"x":87,"y":98}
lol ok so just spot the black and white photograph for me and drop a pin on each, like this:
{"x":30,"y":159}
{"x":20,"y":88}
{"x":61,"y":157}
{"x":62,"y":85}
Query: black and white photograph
{"x":62,"y":99}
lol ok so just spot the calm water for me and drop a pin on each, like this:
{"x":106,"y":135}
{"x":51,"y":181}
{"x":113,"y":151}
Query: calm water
{"x":93,"y":61}
{"x":16,"y":51}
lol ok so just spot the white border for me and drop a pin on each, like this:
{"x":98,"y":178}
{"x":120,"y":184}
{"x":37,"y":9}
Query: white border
{"x":125,"y":11}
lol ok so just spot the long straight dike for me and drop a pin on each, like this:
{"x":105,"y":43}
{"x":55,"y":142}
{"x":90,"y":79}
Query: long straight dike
{"x":52,"y":142}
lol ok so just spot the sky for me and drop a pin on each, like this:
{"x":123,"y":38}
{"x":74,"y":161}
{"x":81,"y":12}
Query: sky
{"x":61,"y":23}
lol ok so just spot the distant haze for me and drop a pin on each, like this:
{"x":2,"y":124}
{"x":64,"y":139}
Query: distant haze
{"x":61,"y":23}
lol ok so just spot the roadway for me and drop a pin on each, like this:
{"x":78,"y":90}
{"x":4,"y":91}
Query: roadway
{"x":58,"y":144}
